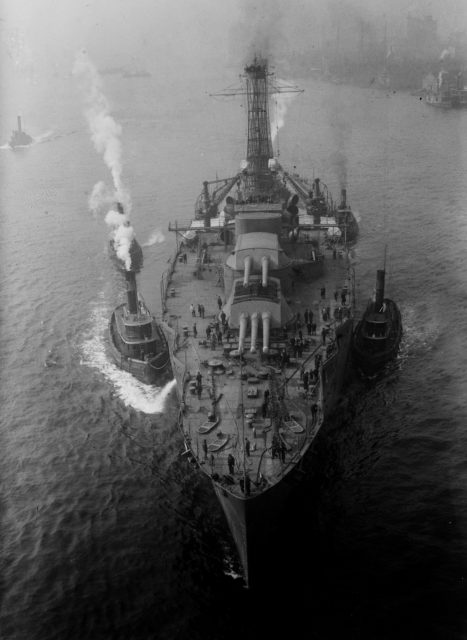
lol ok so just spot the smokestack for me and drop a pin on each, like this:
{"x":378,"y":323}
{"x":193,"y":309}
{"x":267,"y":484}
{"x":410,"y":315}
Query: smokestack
{"x":317,"y":189}
{"x":265,"y":264}
{"x":120,"y":208}
{"x":207,"y":205}
{"x":131,"y":291}
{"x":19,"y":123}
{"x":379,"y":289}
{"x":254,"y":331}
{"x":343,"y":199}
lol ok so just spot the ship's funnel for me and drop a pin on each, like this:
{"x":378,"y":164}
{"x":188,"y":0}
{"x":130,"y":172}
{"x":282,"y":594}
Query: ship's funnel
{"x":19,"y":123}
{"x":131,"y":291}
{"x":207,"y":205}
{"x":120,"y":208}
{"x":254,"y":331}
{"x":242,"y":333}
{"x":266,"y":316}
{"x":265,"y":267}
{"x":379,"y":289}
{"x":343,"y":204}
{"x":247,"y":268}
{"x":317,"y":188}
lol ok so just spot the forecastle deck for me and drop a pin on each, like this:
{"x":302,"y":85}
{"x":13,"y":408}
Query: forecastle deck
{"x":234,"y":437}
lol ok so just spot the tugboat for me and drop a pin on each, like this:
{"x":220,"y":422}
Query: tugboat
{"x":137,"y":343}
{"x":258,"y":309}
{"x":123,"y":235}
{"x":20,"y":138}
{"x":378,"y":334}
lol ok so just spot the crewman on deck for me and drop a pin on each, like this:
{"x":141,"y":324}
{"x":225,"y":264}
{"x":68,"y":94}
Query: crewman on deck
{"x":247,"y":447}
{"x":205,"y":448}
{"x":231,"y":463}
{"x":314,"y":412}
{"x":247,"y":485}
{"x":283,"y":450}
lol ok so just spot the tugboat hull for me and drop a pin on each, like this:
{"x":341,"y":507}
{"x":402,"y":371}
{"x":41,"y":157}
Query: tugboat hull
{"x":370,"y":361}
{"x":158,"y":371}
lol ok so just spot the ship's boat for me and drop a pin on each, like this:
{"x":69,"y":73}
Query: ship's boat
{"x":20,"y":138}
{"x":135,"y":251}
{"x":137,"y":343}
{"x":258,"y":310}
{"x":378,"y":334}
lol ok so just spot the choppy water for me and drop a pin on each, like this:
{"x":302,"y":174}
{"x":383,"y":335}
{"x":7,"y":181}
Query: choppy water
{"x":105,"y":532}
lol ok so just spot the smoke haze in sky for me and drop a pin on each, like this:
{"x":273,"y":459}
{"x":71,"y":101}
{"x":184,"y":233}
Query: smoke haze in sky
{"x":182,"y":35}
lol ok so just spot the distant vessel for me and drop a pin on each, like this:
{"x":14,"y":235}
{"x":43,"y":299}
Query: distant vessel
{"x":377,"y":336}
{"x":258,"y":309}
{"x":446,"y":90}
{"x":136,"y":252}
{"x":135,"y":71}
{"x":111,"y":71}
{"x":137,"y":343}
{"x":20,"y":138}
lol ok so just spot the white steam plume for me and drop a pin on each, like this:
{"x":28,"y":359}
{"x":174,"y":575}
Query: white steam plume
{"x":123,"y":236}
{"x":115,"y":219}
{"x":101,"y":196}
{"x":282,"y":101}
{"x":156,"y":237}
{"x":105,"y":131}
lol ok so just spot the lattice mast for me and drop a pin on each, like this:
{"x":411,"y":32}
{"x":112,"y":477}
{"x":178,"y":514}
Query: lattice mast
{"x":259,"y":143}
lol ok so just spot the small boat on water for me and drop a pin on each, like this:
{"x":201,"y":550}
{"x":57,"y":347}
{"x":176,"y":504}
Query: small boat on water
{"x":19,"y":138}
{"x":377,"y":336}
{"x":137,"y":343}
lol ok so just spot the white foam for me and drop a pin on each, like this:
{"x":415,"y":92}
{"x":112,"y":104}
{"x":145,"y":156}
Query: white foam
{"x":43,"y":137}
{"x":132,"y":392}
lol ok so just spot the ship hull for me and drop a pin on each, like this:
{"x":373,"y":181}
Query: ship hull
{"x":255,"y":522}
{"x":259,"y":314}
{"x":156,"y":372}
{"x":371,"y":362}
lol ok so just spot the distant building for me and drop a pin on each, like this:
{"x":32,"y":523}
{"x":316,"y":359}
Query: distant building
{"x":422,"y":37}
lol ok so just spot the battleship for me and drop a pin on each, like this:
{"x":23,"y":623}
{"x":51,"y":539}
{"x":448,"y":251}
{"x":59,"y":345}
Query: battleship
{"x":258,"y":307}
{"x":137,"y":343}
{"x":20,"y":138}
{"x":378,"y":334}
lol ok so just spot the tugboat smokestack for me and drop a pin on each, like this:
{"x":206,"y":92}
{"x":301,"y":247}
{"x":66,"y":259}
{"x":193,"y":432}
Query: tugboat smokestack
{"x":379,"y":289}
{"x":19,"y":123}
{"x":131,"y":292}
